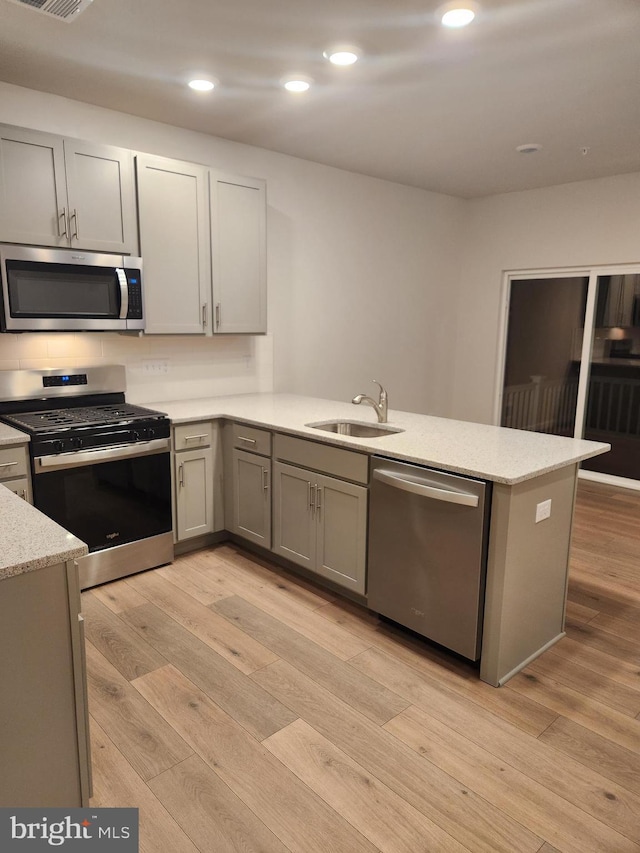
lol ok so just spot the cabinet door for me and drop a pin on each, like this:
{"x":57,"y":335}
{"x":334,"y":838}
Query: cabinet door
{"x":252,"y":497}
{"x":294,"y":526}
{"x":33,"y":195}
{"x":175,"y":244}
{"x":102,"y":214}
{"x":341,"y":518}
{"x":19,"y":487}
{"x":238,"y":249}
{"x":194,"y":493}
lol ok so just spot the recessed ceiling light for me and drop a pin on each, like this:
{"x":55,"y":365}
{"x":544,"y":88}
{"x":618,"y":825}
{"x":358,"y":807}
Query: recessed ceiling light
{"x":297,"y":85}
{"x":201,"y":85}
{"x":529,"y":148}
{"x":457,"y":14}
{"x":344,"y":54}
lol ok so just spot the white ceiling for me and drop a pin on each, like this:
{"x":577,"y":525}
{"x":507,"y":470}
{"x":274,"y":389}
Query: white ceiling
{"x":429,"y":107}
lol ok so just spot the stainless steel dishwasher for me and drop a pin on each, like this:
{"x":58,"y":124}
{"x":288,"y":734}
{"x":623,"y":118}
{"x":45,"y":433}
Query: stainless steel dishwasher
{"x":427,"y":552}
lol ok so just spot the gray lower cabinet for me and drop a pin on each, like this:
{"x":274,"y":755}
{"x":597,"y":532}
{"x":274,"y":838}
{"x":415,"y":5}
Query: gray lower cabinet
{"x":14,"y":471}
{"x":320,"y":522}
{"x":194,"y":492}
{"x":44,"y":735}
{"x":251,"y":497}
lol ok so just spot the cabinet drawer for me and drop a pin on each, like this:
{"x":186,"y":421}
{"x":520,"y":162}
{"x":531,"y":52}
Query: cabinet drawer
{"x":322,"y":457}
{"x":13,"y":463}
{"x":19,"y":487}
{"x":190,"y":436}
{"x":252,"y":439}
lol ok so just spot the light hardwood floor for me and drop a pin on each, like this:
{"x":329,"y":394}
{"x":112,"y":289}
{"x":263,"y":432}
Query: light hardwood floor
{"x":242,"y":709}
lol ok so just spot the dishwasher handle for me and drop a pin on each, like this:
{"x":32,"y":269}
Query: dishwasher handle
{"x":419,"y":487}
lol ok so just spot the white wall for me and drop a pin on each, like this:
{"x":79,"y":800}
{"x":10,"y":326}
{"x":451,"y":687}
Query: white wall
{"x":361,"y":274}
{"x":579,"y":224}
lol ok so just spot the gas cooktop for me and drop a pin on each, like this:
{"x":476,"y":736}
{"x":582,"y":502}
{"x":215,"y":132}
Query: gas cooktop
{"x":81,"y":416}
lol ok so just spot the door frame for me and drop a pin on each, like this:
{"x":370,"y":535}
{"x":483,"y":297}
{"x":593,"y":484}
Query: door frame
{"x":592,"y":272}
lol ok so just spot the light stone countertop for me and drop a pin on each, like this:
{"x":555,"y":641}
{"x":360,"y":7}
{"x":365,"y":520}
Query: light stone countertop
{"x":9,"y":435}
{"x":29,"y":540}
{"x":492,"y":453}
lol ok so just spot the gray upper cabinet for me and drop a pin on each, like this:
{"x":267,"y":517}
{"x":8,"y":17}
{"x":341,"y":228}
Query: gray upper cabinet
{"x":65,"y":193}
{"x":238,"y":251}
{"x":202,"y":236}
{"x":174,"y":242}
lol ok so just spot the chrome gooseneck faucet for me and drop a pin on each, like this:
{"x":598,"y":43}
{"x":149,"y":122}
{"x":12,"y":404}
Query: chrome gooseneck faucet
{"x":380,"y":407}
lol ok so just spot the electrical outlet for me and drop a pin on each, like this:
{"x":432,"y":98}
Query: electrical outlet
{"x":155,"y":366}
{"x":543,"y":510}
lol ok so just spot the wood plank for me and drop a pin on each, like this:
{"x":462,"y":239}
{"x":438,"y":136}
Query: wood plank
{"x":148,"y":743}
{"x":569,"y":779}
{"x":117,"y":596}
{"x":383,"y":817}
{"x":121,"y":646}
{"x":374,"y":701}
{"x":251,"y":569}
{"x":279,"y":603}
{"x":456,"y":674}
{"x":615,"y":762}
{"x":210,"y":813}
{"x":518,"y":795}
{"x":610,"y":644}
{"x":184,"y":574}
{"x":469,"y":819}
{"x":596,"y":686}
{"x":228,"y":641}
{"x":117,"y":785}
{"x":244,"y":700}
{"x":588,"y":712}
{"x":626,"y":672}
{"x":627,"y":626}
{"x":579,"y":613}
{"x":299,"y":818}
{"x":583,"y":592}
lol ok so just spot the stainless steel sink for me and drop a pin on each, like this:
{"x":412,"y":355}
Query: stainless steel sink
{"x":355,"y":428}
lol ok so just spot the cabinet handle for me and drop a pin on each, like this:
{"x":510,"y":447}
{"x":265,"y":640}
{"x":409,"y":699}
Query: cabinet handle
{"x":74,"y":216}
{"x":310,"y":496}
{"x":196,"y":437}
{"x":7,"y":464}
{"x":22,"y":494}
{"x":63,"y":216}
{"x":265,"y":480}
{"x":181,"y":474}
{"x":204,"y":315}
{"x":248,"y":440}
{"x":318,"y":498}
{"x":218,"y":315}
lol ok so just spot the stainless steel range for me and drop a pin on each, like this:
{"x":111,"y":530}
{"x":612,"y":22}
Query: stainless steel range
{"x":100,"y":466}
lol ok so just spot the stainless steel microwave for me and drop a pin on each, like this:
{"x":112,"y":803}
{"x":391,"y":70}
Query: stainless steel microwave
{"x":65,"y":290}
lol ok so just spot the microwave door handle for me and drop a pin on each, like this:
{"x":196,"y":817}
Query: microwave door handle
{"x":124,"y":293}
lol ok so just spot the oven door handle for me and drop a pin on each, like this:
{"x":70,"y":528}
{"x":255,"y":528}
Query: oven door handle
{"x":77,"y":458}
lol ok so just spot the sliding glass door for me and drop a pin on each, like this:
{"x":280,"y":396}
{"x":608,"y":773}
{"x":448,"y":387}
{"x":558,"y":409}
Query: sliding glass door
{"x":572,"y":361}
{"x":543,"y":357}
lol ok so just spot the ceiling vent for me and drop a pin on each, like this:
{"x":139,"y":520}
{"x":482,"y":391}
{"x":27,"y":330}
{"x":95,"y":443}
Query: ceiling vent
{"x":65,"y":10}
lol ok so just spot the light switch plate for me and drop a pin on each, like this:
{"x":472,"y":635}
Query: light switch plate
{"x":543,"y":510}
{"x":155,"y":366}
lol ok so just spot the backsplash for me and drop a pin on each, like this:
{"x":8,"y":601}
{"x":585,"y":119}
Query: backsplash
{"x":159,"y":367}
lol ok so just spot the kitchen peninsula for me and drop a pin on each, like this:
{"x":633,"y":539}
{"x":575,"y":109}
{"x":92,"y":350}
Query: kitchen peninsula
{"x":527,"y":565}
{"x":43,"y":702}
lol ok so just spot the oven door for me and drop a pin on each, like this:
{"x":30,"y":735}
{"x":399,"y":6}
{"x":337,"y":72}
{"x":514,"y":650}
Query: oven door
{"x":57,"y":290}
{"x":107,"y":497}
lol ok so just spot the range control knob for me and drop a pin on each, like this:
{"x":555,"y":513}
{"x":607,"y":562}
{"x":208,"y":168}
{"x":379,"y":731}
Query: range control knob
{"x":76,"y":442}
{"x":58,"y":445}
